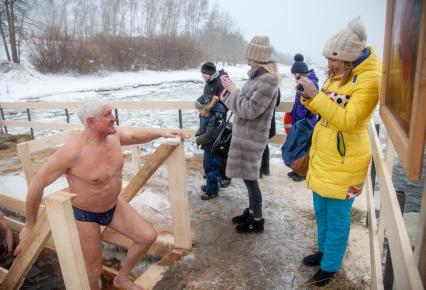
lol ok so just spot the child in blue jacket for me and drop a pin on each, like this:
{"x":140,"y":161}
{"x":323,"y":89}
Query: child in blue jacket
{"x":210,"y":124}
{"x":299,"y":111}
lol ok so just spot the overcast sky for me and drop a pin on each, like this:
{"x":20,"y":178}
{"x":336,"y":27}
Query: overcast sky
{"x":305,"y":25}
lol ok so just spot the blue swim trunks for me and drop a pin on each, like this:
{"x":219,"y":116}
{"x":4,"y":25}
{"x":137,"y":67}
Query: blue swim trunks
{"x":102,"y":218}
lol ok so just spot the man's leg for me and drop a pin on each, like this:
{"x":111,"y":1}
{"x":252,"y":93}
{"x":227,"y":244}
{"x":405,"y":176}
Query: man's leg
{"x":90,"y":240}
{"x":127,"y":221}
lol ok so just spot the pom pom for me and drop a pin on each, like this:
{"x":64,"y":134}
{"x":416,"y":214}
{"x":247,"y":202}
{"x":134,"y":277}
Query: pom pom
{"x":298,"y":57}
{"x":356,"y":26}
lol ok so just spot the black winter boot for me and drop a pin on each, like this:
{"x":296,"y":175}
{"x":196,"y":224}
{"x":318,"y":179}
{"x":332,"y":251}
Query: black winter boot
{"x":322,"y":277}
{"x":312,"y":260}
{"x":291,"y":174}
{"x":203,"y":188}
{"x":239,"y":219}
{"x":298,"y":178}
{"x":225,"y":182}
{"x":251,"y":226}
{"x":208,"y":196}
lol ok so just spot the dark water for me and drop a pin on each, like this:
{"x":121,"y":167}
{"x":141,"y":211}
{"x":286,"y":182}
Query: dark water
{"x":45,"y":274}
{"x":413,"y":190}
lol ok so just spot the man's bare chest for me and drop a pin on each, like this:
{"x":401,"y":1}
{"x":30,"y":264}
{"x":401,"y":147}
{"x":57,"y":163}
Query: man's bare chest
{"x":98,"y":166}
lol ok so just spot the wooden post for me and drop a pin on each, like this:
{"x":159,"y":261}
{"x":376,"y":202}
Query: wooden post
{"x":29,"y":119}
{"x":2,"y":117}
{"x":179,"y":197}
{"x":180,"y":119}
{"x":3,"y":274}
{"x":420,"y":247}
{"x":30,"y":251}
{"x":25,"y":156}
{"x":67,"y":242}
{"x":148,"y":169}
{"x":388,"y":276}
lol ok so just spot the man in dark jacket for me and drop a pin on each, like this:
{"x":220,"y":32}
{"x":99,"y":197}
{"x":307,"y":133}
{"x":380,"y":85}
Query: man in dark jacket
{"x":213,"y":87}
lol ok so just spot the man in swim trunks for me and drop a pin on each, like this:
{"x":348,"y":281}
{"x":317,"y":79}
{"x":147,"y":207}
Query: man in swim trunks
{"x":92,"y":162}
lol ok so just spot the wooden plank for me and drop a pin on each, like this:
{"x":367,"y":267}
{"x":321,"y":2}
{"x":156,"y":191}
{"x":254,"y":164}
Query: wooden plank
{"x":12,"y":203}
{"x":386,"y":50}
{"x":30,"y":251}
{"x":40,"y":105}
{"x":418,"y":116}
{"x":26,"y":162}
{"x":420,"y":247}
{"x":155,"y":272}
{"x":40,"y":125}
{"x":146,"y":105}
{"x":399,"y":138}
{"x":405,"y":269}
{"x":51,"y":141}
{"x":3,"y":274}
{"x":375,"y":250}
{"x":151,"y":165}
{"x":176,"y":168}
{"x":67,"y":241}
{"x":390,"y":153}
{"x":135,"y":157}
{"x":278,"y":139}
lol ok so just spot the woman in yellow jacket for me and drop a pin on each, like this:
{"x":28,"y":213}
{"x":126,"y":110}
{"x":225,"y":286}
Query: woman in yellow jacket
{"x":340,"y":151}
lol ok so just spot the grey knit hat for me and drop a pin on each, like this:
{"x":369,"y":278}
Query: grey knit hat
{"x":259,"y":50}
{"x":348,"y":43}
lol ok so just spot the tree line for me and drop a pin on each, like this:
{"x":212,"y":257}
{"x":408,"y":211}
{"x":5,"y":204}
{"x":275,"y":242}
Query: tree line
{"x":90,"y":36}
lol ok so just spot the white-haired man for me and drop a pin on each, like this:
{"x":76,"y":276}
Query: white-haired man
{"x":92,"y":162}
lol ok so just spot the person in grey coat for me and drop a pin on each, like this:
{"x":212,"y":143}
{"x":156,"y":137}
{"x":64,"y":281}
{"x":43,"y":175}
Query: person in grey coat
{"x":253,"y":106}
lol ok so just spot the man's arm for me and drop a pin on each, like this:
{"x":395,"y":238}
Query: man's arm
{"x":140,"y":136}
{"x":55,"y":166}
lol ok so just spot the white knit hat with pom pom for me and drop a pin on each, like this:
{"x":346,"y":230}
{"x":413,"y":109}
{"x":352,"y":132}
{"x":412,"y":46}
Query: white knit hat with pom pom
{"x":348,"y":43}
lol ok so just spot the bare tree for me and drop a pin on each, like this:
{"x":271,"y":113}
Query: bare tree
{"x":12,"y":20}
{"x":194,"y":13}
{"x":169,"y":17}
{"x":2,"y":32}
{"x":150,"y":15}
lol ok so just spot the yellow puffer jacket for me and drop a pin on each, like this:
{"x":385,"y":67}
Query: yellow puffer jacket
{"x":340,"y":151}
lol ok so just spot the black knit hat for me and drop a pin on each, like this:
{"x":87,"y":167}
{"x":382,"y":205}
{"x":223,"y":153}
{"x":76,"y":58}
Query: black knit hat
{"x":299,"y":66}
{"x":208,"y":68}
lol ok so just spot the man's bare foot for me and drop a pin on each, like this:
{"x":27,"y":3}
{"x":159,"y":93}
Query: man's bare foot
{"x":125,"y":283}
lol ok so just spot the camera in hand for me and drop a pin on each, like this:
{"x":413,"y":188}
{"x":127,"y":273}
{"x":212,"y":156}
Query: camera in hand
{"x":299,"y":87}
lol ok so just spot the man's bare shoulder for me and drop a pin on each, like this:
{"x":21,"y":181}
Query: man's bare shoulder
{"x":72,"y":149}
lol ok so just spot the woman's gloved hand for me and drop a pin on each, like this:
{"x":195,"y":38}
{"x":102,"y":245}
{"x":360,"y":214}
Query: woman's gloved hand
{"x":309,"y":89}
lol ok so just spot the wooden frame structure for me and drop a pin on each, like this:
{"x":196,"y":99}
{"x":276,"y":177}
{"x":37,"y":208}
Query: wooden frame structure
{"x":390,"y":223}
{"x":397,"y":67}
{"x":145,"y":105}
{"x":56,"y":219}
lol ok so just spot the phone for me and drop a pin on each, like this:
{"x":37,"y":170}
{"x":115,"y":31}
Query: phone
{"x":299,"y":86}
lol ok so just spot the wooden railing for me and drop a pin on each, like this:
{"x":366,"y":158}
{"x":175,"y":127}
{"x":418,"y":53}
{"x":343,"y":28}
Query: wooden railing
{"x":143,"y":105}
{"x":390,"y":223}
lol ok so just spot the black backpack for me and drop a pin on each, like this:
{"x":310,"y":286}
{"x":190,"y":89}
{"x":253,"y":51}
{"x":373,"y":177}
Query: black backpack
{"x":222,"y":142}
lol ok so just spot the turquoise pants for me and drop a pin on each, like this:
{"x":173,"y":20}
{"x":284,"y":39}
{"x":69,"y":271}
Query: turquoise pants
{"x":333,"y":226}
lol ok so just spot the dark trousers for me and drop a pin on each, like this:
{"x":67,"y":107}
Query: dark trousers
{"x":255,"y":197}
{"x":264,"y":165}
{"x":223,"y":162}
{"x":212,"y":168}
